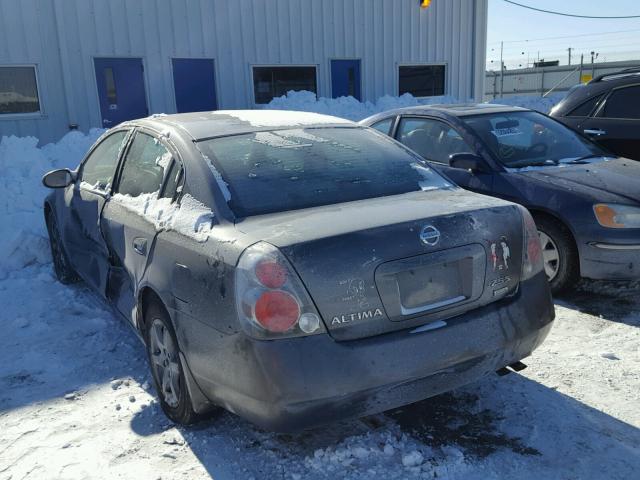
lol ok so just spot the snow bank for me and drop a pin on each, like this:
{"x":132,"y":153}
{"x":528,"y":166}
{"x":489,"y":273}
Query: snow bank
{"x":23,"y":240}
{"x":349,"y":107}
{"x":266,"y":118}
{"x":352,"y":109}
{"x":540,"y":104}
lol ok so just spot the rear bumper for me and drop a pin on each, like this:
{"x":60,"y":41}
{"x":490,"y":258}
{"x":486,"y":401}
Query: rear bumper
{"x":610,"y":260}
{"x":291,"y":384}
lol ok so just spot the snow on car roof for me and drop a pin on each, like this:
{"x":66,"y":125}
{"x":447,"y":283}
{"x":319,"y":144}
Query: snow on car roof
{"x":201,"y":125}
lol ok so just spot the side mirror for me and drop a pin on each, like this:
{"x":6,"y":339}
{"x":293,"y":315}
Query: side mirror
{"x":468,"y":161}
{"x":58,"y":178}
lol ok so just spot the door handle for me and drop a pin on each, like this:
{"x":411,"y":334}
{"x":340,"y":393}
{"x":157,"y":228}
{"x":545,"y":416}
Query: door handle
{"x":140,"y":245}
{"x":595,"y":131}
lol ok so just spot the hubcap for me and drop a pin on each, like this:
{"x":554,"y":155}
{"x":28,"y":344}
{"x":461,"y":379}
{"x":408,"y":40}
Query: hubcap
{"x":550,"y":255}
{"x":164,"y":361}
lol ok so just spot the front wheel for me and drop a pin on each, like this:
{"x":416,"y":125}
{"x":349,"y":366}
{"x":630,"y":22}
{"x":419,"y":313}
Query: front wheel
{"x":61,"y":264}
{"x":166,"y":369}
{"x":558,"y":253}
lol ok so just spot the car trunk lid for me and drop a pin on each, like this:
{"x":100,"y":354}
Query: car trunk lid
{"x":397,"y":262}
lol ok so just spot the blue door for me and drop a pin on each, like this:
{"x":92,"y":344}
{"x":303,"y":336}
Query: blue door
{"x":194,"y":84}
{"x":345,"y":78}
{"x":120,"y":89}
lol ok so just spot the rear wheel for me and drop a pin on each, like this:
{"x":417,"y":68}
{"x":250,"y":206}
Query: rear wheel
{"x":61,"y":264}
{"x":166,"y":368}
{"x":559,"y":253}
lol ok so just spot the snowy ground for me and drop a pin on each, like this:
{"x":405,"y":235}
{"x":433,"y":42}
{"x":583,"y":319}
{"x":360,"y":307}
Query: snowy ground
{"x":75,"y":399}
{"x":75,"y":403}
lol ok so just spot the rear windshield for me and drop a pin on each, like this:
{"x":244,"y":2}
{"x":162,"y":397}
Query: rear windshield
{"x":284,"y":170}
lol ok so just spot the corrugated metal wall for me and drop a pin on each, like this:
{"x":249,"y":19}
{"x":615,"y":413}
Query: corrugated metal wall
{"x":63,"y":37}
{"x":28,"y":36}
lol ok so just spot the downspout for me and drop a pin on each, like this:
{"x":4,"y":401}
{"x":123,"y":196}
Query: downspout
{"x":473,"y":50}
{"x":65,"y":71}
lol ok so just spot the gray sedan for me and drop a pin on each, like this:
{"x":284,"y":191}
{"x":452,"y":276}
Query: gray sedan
{"x":296,"y":268}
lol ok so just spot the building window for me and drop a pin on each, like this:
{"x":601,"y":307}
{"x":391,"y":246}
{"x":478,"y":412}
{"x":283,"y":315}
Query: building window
{"x":421,"y":80}
{"x":271,"y":82}
{"x":110,"y":86}
{"x":18,"y":90}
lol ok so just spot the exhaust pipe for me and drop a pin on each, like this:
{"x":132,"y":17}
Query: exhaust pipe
{"x":514,"y":367}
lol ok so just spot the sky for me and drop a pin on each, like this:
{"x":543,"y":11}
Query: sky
{"x":527,"y":34}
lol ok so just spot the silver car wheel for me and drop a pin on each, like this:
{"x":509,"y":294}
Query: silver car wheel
{"x":550,"y":256}
{"x":164,"y":361}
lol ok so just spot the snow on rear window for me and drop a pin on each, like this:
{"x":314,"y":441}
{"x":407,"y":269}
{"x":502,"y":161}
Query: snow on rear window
{"x":283,"y":170}
{"x":279,"y":118}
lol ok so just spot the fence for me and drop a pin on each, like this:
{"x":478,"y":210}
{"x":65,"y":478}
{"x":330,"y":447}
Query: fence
{"x":539,"y":81}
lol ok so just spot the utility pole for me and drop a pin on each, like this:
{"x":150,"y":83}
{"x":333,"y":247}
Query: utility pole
{"x":594,"y":55}
{"x":501,"y":69}
{"x":569,"y":49}
{"x":581,"y":66}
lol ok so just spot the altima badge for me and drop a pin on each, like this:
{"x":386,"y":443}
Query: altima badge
{"x":429,"y":235}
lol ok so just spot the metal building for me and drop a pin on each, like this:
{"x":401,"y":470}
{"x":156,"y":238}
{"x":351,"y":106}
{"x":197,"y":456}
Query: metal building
{"x":68,"y":64}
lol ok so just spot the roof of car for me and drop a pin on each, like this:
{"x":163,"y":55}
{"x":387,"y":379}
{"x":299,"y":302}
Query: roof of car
{"x":627,"y":73}
{"x":220,"y":123}
{"x":458,"y":110}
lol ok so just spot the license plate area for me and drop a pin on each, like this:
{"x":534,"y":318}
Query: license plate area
{"x":431,"y":282}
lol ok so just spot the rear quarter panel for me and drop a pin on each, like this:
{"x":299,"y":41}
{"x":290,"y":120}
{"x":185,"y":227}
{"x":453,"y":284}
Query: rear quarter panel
{"x":195,"y":280}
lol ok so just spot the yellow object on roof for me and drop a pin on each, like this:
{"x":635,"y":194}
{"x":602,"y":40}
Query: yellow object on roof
{"x":425,"y":3}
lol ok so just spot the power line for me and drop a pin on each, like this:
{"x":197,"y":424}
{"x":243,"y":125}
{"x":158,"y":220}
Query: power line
{"x":567,"y":36}
{"x":568,"y":14}
{"x":584,"y":41}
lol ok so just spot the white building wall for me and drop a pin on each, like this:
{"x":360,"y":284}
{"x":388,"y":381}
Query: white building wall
{"x":28,"y":36}
{"x":64,"y":36}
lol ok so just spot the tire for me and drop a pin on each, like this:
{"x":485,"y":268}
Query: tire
{"x":163,"y":356}
{"x":561,"y":269}
{"x":61,"y":264}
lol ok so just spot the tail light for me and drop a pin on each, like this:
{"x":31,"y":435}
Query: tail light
{"x":532,"y":251}
{"x":270,"y":298}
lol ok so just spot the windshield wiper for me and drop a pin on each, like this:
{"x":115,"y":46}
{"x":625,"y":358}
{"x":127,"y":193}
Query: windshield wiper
{"x":547,"y":163}
{"x":583,"y":158}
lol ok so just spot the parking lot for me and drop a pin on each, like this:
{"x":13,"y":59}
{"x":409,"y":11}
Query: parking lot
{"x":76,"y":403}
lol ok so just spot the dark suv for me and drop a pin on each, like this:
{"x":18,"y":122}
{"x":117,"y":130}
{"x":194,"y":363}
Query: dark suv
{"x":607,"y":109}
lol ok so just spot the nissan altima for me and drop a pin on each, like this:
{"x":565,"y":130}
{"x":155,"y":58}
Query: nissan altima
{"x":296,"y":268}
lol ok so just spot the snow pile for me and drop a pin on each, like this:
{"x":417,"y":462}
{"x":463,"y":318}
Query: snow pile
{"x":389,"y":453}
{"x":22,"y":163}
{"x":277,"y":118}
{"x":532,"y":102}
{"x":352,"y":109}
{"x":349,"y":107}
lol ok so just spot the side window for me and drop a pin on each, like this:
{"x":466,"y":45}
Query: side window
{"x":585,"y":108}
{"x":100,"y":167}
{"x":623,"y":103}
{"x":384,"y":125}
{"x":144,"y":166}
{"x":432,"y":139}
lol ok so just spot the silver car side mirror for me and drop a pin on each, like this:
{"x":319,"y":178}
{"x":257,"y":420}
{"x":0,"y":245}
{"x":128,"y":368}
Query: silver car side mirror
{"x":58,"y":178}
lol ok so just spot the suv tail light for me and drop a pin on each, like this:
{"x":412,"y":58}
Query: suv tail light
{"x":270,"y":298}
{"x":532,"y":250}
